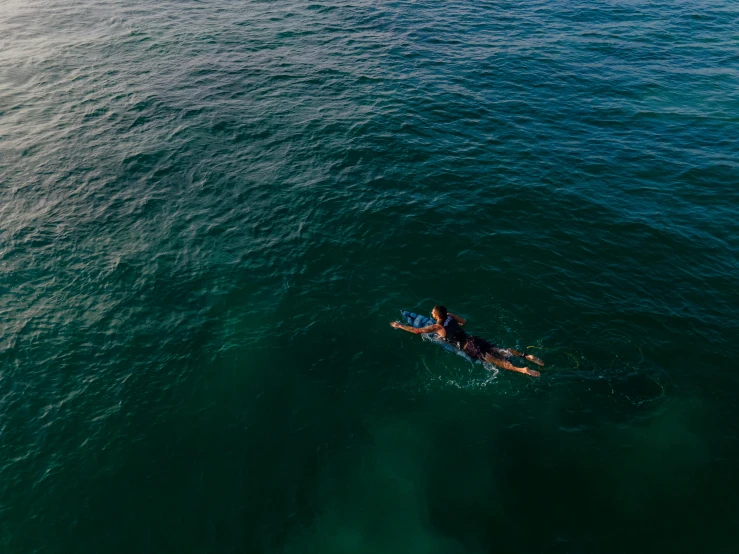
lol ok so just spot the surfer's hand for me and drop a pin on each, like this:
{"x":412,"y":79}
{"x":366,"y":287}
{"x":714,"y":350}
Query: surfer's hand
{"x":395,"y":324}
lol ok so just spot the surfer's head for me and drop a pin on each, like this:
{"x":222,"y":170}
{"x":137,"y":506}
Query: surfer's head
{"x":439,"y":313}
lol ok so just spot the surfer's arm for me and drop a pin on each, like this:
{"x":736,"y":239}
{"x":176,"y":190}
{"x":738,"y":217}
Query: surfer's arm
{"x":417,"y":330}
{"x":458,"y":319}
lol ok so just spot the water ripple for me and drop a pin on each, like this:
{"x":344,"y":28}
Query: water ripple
{"x":210,"y":212}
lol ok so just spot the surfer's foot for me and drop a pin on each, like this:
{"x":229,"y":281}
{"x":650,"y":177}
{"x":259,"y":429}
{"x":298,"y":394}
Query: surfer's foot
{"x":532,"y":372}
{"x":534,"y":359}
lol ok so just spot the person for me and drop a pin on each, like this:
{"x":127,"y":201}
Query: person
{"x":449,"y":327}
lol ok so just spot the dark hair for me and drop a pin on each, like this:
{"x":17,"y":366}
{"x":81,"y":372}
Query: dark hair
{"x":441,"y":310}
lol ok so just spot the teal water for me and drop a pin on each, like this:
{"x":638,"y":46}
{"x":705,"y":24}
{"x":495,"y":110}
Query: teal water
{"x":210,"y":211}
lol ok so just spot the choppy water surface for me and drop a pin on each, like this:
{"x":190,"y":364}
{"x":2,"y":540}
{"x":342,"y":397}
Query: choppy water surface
{"x":210,"y":211}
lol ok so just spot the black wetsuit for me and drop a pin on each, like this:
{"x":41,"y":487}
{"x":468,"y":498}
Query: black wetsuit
{"x":454,"y":333}
{"x":475,"y":347}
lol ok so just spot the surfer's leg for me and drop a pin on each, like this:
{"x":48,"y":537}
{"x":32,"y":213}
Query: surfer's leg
{"x":505,"y":364}
{"x":506,"y":353}
{"x":478,"y":348}
{"x":511,"y":352}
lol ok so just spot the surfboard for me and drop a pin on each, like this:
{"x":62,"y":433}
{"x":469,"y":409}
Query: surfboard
{"x":419,"y":321}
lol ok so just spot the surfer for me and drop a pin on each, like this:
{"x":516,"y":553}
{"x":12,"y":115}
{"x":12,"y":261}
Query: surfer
{"x":449,"y":327}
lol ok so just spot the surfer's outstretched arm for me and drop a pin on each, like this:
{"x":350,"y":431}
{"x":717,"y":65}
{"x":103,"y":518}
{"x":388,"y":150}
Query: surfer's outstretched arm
{"x":504,"y":364}
{"x":417,"y":330}
{"x":458,"y":319}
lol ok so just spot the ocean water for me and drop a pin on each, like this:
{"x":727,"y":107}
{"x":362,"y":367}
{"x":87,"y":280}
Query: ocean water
{"x":210,"y":211}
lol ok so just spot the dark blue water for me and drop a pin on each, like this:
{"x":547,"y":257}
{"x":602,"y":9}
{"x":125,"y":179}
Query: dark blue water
{"x":210,"y":211}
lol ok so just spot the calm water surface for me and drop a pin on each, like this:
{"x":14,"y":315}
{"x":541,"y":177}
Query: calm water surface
{"x":210,"y":211}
